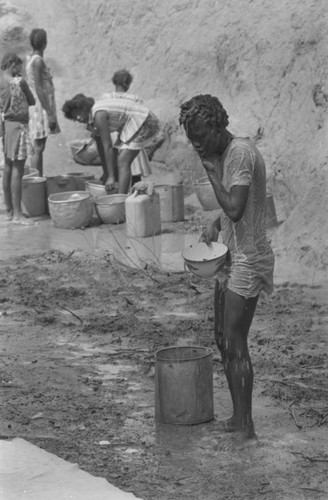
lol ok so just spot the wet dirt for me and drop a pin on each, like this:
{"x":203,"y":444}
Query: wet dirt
{"x":79,"y":333}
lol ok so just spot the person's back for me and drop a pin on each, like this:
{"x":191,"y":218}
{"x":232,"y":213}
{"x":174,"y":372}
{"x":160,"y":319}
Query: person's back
{"x":127,"y":113}
{"x":31,"y":72}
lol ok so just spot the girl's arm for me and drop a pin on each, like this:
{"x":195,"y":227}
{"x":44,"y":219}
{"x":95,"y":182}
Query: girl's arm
{"x":27,"y":91}
{"x":234,"y":201}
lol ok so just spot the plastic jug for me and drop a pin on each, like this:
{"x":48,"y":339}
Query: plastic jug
{"x":172,"y":202}
{"x":143,"y":214}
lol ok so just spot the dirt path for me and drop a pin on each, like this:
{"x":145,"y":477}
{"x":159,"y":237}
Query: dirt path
{"x":78,"y":344}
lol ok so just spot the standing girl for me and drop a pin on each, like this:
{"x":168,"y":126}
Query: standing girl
{"x":43,"y":116}
{"x":15,"y":99}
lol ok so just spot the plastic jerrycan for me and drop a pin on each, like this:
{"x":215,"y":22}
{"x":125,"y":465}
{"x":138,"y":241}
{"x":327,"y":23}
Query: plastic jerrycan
{"x":143,"y":214}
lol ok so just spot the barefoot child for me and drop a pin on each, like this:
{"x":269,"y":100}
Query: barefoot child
{"x":15,"y":99}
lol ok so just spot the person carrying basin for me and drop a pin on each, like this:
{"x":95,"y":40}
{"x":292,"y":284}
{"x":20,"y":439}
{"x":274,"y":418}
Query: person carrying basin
{"x":237,"y":174}
{"x":119,"y":112}
{"x":15,"y":99}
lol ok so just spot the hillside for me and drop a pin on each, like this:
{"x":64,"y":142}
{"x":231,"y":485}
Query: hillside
{"x":267,"y":62}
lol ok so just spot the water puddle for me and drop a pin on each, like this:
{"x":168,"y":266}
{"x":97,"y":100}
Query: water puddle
{"x":163,"y":250}
{"x":110,"y":371}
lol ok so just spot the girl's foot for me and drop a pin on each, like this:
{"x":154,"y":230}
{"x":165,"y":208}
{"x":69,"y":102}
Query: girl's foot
{"x":228,"y":425}
{"x":21,"y":220}
{"x":245,"y":438}
{"x":9,"y":215}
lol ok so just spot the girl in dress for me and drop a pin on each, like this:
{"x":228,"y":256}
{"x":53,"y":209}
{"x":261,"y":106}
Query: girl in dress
{"x":15,"y":99}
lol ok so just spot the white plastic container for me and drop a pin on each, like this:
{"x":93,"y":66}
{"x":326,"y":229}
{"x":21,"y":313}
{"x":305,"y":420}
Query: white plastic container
{"x":143,"y":215}
{"x":172,"y":202}
{"x":96,"y":190}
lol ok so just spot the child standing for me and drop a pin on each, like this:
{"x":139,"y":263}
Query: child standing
{"x":15,"y":99}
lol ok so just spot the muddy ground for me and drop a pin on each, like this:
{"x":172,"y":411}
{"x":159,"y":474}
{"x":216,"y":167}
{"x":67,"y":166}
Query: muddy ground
{"x":78,"y":342}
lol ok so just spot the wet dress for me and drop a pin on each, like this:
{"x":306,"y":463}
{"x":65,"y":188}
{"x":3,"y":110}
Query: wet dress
{"x":39,"y":123}
{"x":252,"y":259}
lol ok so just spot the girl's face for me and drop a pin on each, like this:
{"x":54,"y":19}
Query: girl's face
{"x":203,"y":137}
{"x":16,"y":69}
{"x":81,"y":115}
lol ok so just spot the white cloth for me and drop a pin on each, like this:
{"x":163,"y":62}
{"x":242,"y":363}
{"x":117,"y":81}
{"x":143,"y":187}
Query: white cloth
{"x":30,"y":473}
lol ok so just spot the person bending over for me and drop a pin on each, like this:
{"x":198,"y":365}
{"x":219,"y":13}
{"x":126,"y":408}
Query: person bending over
{"x":117,"y":112}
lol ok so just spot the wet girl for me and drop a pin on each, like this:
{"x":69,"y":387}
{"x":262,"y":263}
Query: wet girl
{"x":237,"y":173}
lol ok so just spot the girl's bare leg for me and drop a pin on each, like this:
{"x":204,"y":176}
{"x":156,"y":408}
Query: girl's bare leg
{"x":16,"y":188}
{"x":6,"y":186}
{"x":125,"y":158}
{"x":233,"y":318}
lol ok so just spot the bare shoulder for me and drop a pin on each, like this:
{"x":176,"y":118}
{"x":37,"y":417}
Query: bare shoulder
{"x":101,"y":118}
{"x":38,"y":62}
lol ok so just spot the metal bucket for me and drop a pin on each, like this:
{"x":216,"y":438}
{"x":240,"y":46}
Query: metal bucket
{"x":172,"y":202}
{"x":34,"y":196}
{"x":61,"y":184}
{"x":81,"y":179}
{"x":184,"y":385}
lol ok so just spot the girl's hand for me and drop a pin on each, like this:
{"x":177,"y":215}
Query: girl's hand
{"x":211,"y":233}
{"x":209,"y":165}
{"x":110,"y":184}
{"x":52,"y":120}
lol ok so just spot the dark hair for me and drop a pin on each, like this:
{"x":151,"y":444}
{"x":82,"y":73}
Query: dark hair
{"x":206,"y":107}
{"x":78,"y":102}
{"x":38,"y":37}
{"x":122,"y":78}
{"x":9,"y":59}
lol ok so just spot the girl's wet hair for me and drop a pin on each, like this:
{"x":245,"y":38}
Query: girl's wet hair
{"x":76,"y":104}
{"x":206,"y":107}
{"x":9,"y":59}
{"x":122,"y":78}
{"x":38,"y":37}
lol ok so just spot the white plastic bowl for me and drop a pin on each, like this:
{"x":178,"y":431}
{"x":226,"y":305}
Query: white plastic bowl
{"x":204,"y":260}
{"x":96,"y":190}
{"x":111,"y":208}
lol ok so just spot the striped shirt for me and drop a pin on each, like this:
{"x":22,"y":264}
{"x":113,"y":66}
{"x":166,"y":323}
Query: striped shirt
{"x":126,"y":113}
